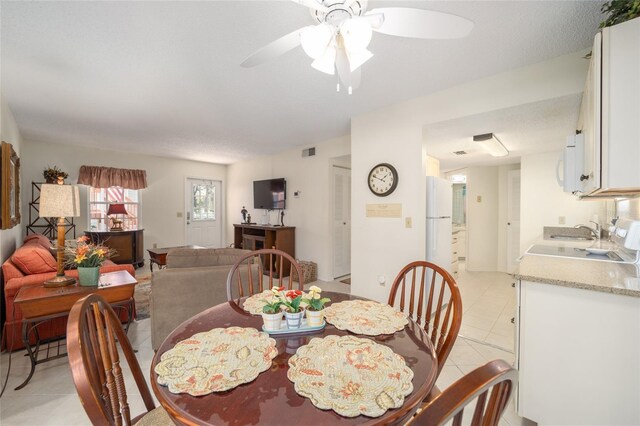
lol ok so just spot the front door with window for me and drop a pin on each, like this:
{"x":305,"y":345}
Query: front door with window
{"x":204,"y":212}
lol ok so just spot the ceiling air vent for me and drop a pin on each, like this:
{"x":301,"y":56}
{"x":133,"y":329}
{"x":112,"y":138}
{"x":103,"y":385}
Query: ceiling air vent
{"x":309,"y":152}
{"x":460,"y":152}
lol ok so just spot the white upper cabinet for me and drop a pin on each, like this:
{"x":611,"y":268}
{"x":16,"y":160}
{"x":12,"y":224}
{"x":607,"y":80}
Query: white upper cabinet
{"x":610,"y":113}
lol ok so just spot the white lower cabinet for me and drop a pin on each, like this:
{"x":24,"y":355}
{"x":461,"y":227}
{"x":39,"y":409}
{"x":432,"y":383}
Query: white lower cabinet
{"x":578,"y":354}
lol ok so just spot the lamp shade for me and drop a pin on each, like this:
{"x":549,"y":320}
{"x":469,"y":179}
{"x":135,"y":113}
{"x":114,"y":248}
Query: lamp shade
{"x":116,"y":209}
{"x":356,"y":33}
{"x":315,"y":39}
{"x":59,"y":201}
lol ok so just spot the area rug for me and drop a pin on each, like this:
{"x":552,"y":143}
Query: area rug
{"x":142,"y":296}
{"x":346,"y":280}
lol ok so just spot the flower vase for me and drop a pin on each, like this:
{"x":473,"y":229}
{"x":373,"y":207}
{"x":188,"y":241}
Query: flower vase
{"x":272,"y":322}
{"x":315,"y":318}
{"x":88,"y":276}
{"x":294,"y":319}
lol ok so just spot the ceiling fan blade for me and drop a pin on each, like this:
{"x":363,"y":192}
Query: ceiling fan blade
{"x":420,"y":23}
{"x":312,"y":4}
{"x":349,"y":79}
{"x":274,"y":49}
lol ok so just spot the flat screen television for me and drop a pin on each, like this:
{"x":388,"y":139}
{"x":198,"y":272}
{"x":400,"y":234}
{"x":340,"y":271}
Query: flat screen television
{"x":269,"y":194}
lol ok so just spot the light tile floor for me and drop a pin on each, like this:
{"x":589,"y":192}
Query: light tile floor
{"x":50,"y":398}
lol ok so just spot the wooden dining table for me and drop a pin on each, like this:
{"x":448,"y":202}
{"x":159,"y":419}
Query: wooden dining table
{"x":271,"y":399}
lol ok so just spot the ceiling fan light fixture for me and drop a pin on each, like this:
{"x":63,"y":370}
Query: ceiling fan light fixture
{"x":491,"y":144}
{"x":315,"y":39}
{"x":356,"y":33}
{"x":327,"y":62}
{"x":358,"y":58}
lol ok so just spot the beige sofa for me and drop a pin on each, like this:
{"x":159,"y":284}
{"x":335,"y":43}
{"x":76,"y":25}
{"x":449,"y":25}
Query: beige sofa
{"x":194,"y":280}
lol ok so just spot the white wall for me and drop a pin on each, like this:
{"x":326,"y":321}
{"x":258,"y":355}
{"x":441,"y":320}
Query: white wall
{"x":310,"y":213}
{"x":11,"y":238}
{"x":380,"y":247}
{"x":161,"y":201}
{"x":543,"y":201}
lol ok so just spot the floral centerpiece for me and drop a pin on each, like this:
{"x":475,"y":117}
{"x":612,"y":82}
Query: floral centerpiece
{"x":315,"y":306}
{"x":272,"y":310}
{"x":293,"y":313}
{"x":88,"y":258}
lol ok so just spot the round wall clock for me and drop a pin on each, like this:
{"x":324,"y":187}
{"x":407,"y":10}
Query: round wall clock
{"x":383,"y":179}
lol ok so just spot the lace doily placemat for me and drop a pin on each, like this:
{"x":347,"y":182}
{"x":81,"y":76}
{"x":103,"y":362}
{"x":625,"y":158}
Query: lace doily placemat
{"x":365,"y":317}
{"x":350,"y":375}
{"x":254,"y":304}
{"x":216,"y":360}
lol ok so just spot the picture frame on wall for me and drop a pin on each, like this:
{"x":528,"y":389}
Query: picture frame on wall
{"x":9,"y":187}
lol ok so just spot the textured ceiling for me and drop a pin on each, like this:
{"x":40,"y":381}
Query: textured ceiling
{"x":163,"y":77}
{"x":525,"y":129}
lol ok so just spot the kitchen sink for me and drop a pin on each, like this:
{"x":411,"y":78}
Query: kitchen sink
{"x":570,"y":238}
{"x":574,"y":252}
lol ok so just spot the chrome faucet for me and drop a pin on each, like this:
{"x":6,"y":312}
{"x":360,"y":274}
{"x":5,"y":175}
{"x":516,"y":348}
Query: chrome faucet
{"x":597,"y":232}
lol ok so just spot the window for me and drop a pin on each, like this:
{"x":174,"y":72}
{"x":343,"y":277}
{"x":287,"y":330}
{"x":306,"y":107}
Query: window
{"x":204,"y":201}
{"x":99,"y":200}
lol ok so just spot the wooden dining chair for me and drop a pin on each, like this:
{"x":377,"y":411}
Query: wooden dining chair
{"x":430,"y":295}
{"x":94,"y":333}
{"x":490,"y":386}
{"x":274,"y":268}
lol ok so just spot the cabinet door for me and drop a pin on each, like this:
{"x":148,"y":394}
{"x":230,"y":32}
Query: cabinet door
{"x":621,"y":106}
{"x":577,"y":356}
{"x":589,"y":121}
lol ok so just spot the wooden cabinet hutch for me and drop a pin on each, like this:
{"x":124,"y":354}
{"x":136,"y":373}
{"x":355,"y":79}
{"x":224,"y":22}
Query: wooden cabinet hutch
{"x":129,"y":245}
{"x":256,"y":237}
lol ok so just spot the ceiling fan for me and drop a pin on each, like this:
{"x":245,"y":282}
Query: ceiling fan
{"x":339,"y":41}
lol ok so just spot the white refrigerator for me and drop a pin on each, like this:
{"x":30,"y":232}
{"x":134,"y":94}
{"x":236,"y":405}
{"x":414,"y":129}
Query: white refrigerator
{"x":439,"y":209}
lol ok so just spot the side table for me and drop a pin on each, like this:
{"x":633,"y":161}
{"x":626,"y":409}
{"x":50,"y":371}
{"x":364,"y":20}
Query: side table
{"x":39,"y":304}
{"x":159,"y":255}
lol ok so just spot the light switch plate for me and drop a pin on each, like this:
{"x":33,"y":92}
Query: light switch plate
{"x":179,"y":214}
{"x":479,"y":198}
{"x":407,"y":222}
{"x":562,"y":220}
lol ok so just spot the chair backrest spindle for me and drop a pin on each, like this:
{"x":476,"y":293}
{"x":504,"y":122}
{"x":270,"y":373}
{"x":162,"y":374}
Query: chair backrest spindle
{"x":490,"y":386}
{"x":94,"y":333}
{"x":442,"y":314}
{"x":275,"y":264}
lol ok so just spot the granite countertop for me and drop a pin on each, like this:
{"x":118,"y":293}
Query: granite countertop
{"x":606,"y":277}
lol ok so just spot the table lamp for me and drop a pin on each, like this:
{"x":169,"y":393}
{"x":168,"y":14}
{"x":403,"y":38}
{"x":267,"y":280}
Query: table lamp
{"x":116,"y":209}
{"x":58,"y":200}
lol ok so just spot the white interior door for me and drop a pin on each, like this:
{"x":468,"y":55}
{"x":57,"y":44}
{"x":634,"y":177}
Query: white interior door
{"x":204,"y":212}
{"x":513,"y":219}
{"x":341,"y":221}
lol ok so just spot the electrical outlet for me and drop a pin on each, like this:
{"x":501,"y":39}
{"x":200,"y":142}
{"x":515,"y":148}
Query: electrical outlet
{"x":562,"y":220}
{"x":155,"y":245}
{"x":479,"y":199}
{"x":407,"y":222}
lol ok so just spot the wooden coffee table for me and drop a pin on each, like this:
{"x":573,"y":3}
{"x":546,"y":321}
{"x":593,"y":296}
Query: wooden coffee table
{"x":159,"y":255}
{"x":40,"y":304}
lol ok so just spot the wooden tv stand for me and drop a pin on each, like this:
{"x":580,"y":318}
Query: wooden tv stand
{"x":256,"y":237}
